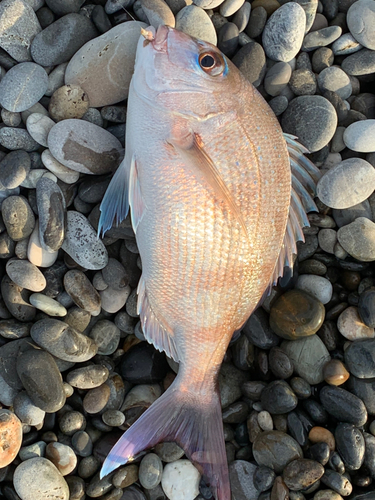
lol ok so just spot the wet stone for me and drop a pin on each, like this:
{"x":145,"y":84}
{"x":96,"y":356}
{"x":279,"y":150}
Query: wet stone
{"x":63,"y":341}
{"x":360,"y":358}
{"x":337,"y":482}
{"x":322,"y":435}
{"x":302,"y":473}
{"x":143,"y":364}
{"x":319,"y":452}
{"x":18,"y":217}
{"x":258,"y":330}
{"x":335,"y":372}
{"x":296,"y":314}
{"x":343,"y":405}
{"x":265,"y":420}
{"x":26,"y":275}
{"x":80,"y":289}
{"x":275,"y":449}
{"x":14,"y":168}
{"x":300,"y":387}
{"x":280,"y":364}
{"x":235,"y":413}
{"x":41,"y":379}
{"x":350,"y":445}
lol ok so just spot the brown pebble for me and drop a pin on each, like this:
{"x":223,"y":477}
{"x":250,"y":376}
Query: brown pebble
{"x":322,"y":435}
{"x":269,"y":5}
{"x":350,"y":279}
{"x":335,"y":372}
{"x":327,"y":495}
{"x":68,"y":101}
{"x":125,"y":476}
{"x":96,"y":399}
{"x":279,"y":490}
{"x":10,"y":437}
{"x":62,"y":456}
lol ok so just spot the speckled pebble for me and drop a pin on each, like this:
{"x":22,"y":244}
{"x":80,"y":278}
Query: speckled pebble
{"x":62,"y":457}
{"x":357,"y":239}
{"x":180,"y":480}
{"x":26,"y":275}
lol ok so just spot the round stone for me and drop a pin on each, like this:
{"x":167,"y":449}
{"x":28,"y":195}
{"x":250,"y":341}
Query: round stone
{"x":335,"y":80}
{"x":360,"y":63}
{"x":351,"y":326}
{"x":113,"y":300}
{"x":158,"y":12}
{"x":195,"y":21}
{"x":26,"y":275}
{"x":357,"y":239}
{"x":327,"y":240}
{"x":321,"y":38}
{"x":317,"y":286}
{"x":350,"y":445}
{"x":296,"y":314}
{"x":343,"y":405}
{"x":106,"y":336}
{"x":335,"y":188}
{"x":335,"y":372}
{"x":39,"y":478}
{"x":283,"y":34}
{"x":96,"y":399}
{"x":63,"y":173}
{"x":84,"y":147}
{"x":251,"y":61}
{"x":23,"y":86}
{"x":18,"y":217}
{"x":47,"y":304}
{"x":150,"y":471}
{"x":72,"y":422}
{"x":125,"y":476}
{"x":69,"y":101}
{"x":59,"y":41}
{"x":278,"y":398}
{"x":80,"y":289}
{"x":277,"y":78}
{"x":360,"y":358}
{"x":10,"y":437}
{"x":279,"y":363}
{"x":322,"y":435}
{"x":308,"y":355}
{"x":275,"y":449}
{"x":62,"y":457}
{"x":14,"y":168}
{"x":169,"y":451}
{"x":302,"y":473}
{"x":113,"y":418}
{"x":312,"y":119}
{"x":361,"y":19}
{"x":242,"y":16}
{"x":180,"y":480}
{"x":360,"y":136}
{"x":88,"y":377}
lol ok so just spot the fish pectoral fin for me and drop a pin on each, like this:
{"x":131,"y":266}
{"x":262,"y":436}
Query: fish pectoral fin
{"x":191,"y":149}
{"x":155,"y":329}
{"x":136,"y":200}
{"x":115,"y":204}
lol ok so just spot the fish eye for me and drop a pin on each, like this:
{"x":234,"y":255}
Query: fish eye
{"x":212,"y":63}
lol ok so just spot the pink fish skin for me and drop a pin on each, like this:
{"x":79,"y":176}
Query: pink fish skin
{"x":208,"y":178}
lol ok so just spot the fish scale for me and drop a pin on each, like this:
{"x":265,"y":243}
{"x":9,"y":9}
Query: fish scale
{"x":208,"y":177}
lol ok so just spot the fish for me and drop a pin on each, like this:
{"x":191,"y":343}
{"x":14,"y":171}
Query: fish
{"x":218,"y":198}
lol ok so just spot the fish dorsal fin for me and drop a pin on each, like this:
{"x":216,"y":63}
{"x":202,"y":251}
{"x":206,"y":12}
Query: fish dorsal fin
{"x":115,"y":204}
{"x":305,"y":175}
{"x":156,"y":332}
{"x":136,"y":201}
{"x":191,"y":149}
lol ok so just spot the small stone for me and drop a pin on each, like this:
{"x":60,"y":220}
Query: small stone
{"x":242,"y":16}
{"x":62,"y":457}
{"x":26,"y":275}
{"x":113,"y":300}
{"x":296,"y":314}
{"x":38,"y":255}
{"x":37,"y":449}
{"x":264,"y":478}
{"x":180,"y":480}
{"x":38,"y":126}
{"x":302,"y":473}
{"x":279,"y":490}
{"x":303,"y":82}
{"x":51,"y":209}
{"x":335,"y":372}
{"x":278,"y":104}
{"x":10,"y":437}
{"x":26,"y":411}
{"x":16,"y":300}
{"x":17,"y":138}
{"x":360,"y":136}
{"x":275,"y":449}
{"x":335,"y":187}
{"x":277,"y":78}
{"x":351,"y":326}
{"x":106,"y":336}
{"x":88,"y":377}
{"x":125,"y":476}
{"x":194,"y":21}
{"x":360,"y":358}
{"x":47,"y":305}
{"x":228,"y":38}
{"x":360,"y":19}
{"x":357,"y":239}
{"x":158,"y":12}
{"x":18,"y":217}
{"x":113,"y":418}
{"x":241,"y":475}
{"x":321,"y":435}
{"x":69,"y":101}
{"x":345,"y":45}
{"x":82,"y":444}
{"x":360,"y":63}
{"x":284,"y":44}
{"x":319,"y":452}
{"x":337,"y":482}
{"x":14,"y":168}
{"x":80,"y":289}
{"x":257,"y":21}
{"x":350,"y":445}
{"x":143,"y":364}
{"x":322,"y":59}
{"x":259,"y":332}
{"x":317,"y":286}
{"x":335,"y":80}
{"x":96,"y":399}
{"x":343,"y":405}
{"x":72,"y":422}
{"x":366,"y":307}
{"x":63,"y":173}
{"x":50,"y":484}
{"x":251,"y":61}
{"x":278,"y":398}
{"x":150,"y":471}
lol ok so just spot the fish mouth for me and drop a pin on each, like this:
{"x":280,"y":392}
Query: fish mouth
{"x":158,"y":38}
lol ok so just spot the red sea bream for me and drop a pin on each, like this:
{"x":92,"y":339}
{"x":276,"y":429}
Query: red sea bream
{"x":218,"y":199}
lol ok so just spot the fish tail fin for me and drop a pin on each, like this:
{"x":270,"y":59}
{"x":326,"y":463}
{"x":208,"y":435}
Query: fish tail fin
{"x":191,"y":419}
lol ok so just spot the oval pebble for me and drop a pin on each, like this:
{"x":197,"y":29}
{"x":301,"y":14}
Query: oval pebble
{"x":50,"y":484}
{"x":360,"y":358}
{"x":10,"y":437}
{"x":321,"y":38}
{"x":302,"y":473}
{"x":26,"y":275}
{"x":335,"y":188}
{"x":275,"y":449}
{"x":17,"y":138}
{"x":26,"y":411}
{"x":14,"y":169}
{"x":39,"y":126}
{"x":38,"y":255}
{"x":351,"y":326}
{"x":361,"y":19}
{"x":84,"y":147}
{"x":150,"y":471}
{"x":357,"y":238}
{"x":62,"y":457}
{"x":345,"y":45}
{"x":343,"y":405}
{"x":158,"y":12}
{"x":360,"y":136}
{"x":18,"y":217}
{"x":360,"y":63}
{"x":317,"y":286}
{"x":51,"y":209}
{"x":195,"y":22}
{"x":47,"y":305}
{"x":62,"y":172}
{"x":87,"y":377}
{"x":80,"y":289}
{"x":180,"y":480}
{"x":335,"y":80}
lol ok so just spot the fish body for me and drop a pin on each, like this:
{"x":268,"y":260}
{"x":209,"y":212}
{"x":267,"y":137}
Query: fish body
{"x":208,"y":178}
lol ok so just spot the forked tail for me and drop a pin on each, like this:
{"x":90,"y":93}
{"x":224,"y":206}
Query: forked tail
{"x":193,"y":421}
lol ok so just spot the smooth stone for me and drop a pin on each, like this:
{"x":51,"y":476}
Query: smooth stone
{"x":87,"y":377}
{"x":17,"y":138}
{"x":357,"y":239}
{"x":115,"y":275}
{"x":351,"y":326}
{"x":158,"y":13}
{"x":113,"y":418}
{"x":283,"y":34}
{"x":180,"y":480}
{"x":18,"y":26}
{"x":62,"y":457}
{"x":58,"y":42}
{"x":369,"y":461}
{"x":51,"y":209}
{"x":335,"y":80}
{"x":8,"y":353}
{"x":65,"y":7}
{"x":269,"y":5}
{"x":143,"y":364}
{"x":360,"y":358}
{"x":92,"y":151}
{"x":26,"y":275}
{"x":106,"y":336}
{"x":63,"y":173}
{"x":242,"y":16}
{"x":321,"y":38}
{"x":296,"y":314}
{"x":80,"y":289}
{"x":241,"y":476}
{"x":26,"y":411}
{"x":275,"y":449}
{"x":361,"y":19}
{"x":7,"y":393}
{"x":10,"y":437}
{"x":366,"y":307}
{"x":113,"y":300}
{"x":50,"y":484}
{"x":327,"y":240}
{"x":150,"y":471}
{"x":337,"y":482}
{"x":228,"y":38}
{"x":312,"y":110}
{"x":335,"y":372}
{"x":63,"y":341}
{"x":335,"y":188}
{"x":319,"y":452}
{"x":258,"y":330}
{"x":343,"y":405}
{"x":33,"y":450}
{"x":303,"y":82}
{"x":47,"y":305}
{"x":279,"y":363}
{"x":322,"y":435}
{"x":86,"y":249}
{"x":14,"y":168}
{"x":350,"y":445}
{"x":39,"y":126}
{"x":38,"y":255}
{"x":345,"y":45}
{"x":23,"y":86}
{"x":82,"y":444}
{"x":194,"y":21}
{"x":42,"y":379}
{"x":360,"y":63}
{"x":230,"y":7}
{"x":71,"y":422}
{"x":18,"y":217}
{"x":360,"y":136}
{"x":302,"y":473}
{"x":279,"y":104}
{"x":16,"y":300}
{"x":125,"y":476}
{"x":257,"y":21}
{"x":308,"y":355}
{"x":277,"y":78}
{"x":278,"y":398}
{"x":169,"y":451}
{"x":56,"y":78}
{"x":317,"y":286}
{"x":251,"y":61}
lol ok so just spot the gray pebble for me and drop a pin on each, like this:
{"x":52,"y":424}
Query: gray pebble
{"x":230,"y":7}
{"x":317,"y":286}
{"x":303,"y":82}
{"x":359,"y":136}
{"x":322,"y":58}
{"x":71,"y":422}
{"x":113,"y":418}
{"x":66,"y":7}
{"x":23,"y":86}
{"x":88,"y":377}
{"x":10,"y":118}
{"x":195,"y":22}
{"x":26,"y":275}
{"x":335,"y":80}
{"x":80,"y":289}
{"x":257,"y":22}
{"x":51,"y":209}
{"x":33,"y":450}
{"x":106,"y":336}
{"x":12,"y":329}
{"x":277,"y":78}
{"x":169,"y":451}
{"x":18,"y":217}
{"x":150,"y":471}
{"x":345,"y":45}
{"x":38,"y":125}
{"x":360,"y":63}
{"x":115,"y":275}
{"x":361,"y":19}
{"x":357,"y":239}
{"x":309,"y":6}
{"x":46,"y":304}
{"x":26,"y":411}
{"x":88,"y":466}
{"x":278,"y":104}
{"x":228,"y":39}
{"x":17,"y":138}
{"x":56,"y":79}
{"x":242,"y":16}
{"x":14,"y":168}
{"x":251,"y":61}
{"x":82,"y":444}
{"x":321,"y":38}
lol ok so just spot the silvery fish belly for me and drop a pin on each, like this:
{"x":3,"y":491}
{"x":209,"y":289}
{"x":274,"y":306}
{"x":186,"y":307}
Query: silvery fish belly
{"x":218,"y":197}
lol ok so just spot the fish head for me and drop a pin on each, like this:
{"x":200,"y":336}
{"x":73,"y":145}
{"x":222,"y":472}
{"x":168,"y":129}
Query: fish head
{"x":183,"y":73}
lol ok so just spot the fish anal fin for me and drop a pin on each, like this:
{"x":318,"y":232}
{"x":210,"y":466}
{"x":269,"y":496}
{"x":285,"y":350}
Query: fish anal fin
{"x":304,"y":178}
{"x":191,"y":148}
{"x":136,"y":200}
{"x":155,"y":329}
{"x":191,"y":419}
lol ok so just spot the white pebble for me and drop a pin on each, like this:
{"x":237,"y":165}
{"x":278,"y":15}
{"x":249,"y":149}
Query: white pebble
{"x":265,"y":421}
{"x":180,"y":480}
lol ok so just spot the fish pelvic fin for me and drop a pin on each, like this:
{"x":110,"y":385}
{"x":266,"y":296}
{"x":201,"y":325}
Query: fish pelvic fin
{"x":191,"y":419}
{"x":115,"y":204}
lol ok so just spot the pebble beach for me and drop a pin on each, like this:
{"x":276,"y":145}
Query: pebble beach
{"x":297,"y":384}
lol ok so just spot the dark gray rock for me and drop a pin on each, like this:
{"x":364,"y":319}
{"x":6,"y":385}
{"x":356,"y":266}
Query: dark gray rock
{"x":258,"y":330}
{"x":350,"y":445}
{"x":360,"y":63}
{"x":343,"y":405}
{"x":51,"y":210}
{"x":251,"y":61}
{"x":14,"y":168}
{"x":228,"y":38}
{"x":275,"y":450}
{"x":360,"y":358}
